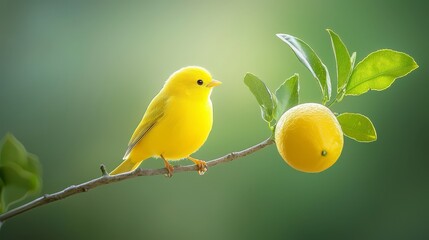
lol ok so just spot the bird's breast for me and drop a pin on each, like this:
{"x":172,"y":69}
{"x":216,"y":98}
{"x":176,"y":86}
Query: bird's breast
{"x":184,"y":128}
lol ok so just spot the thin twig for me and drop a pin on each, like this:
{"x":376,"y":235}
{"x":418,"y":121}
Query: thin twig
{"x":107,"y":179}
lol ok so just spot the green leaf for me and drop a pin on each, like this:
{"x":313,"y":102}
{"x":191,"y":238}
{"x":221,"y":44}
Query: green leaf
{"x":357,"y":126}
{"x":311,"y":61}
{"x":343,"y":60}
{"x":14,"y":175}
{"x":287,"y":95}
{"x":379,"y":70}
{"x":12,"y":151}
{"x":19,"y":183}
{"x":262,"y":95}
{"x":20,"y":172}
{"x":342,"y":92}
{"x":33,"y":165}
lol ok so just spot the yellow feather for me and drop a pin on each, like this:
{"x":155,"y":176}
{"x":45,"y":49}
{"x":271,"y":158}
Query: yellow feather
{"x":176,"y":123}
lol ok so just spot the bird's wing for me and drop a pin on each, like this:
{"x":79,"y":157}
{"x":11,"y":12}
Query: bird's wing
{"x":153,"y":114}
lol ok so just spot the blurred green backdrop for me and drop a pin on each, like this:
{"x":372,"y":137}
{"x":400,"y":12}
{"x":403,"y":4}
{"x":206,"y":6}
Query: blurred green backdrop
{"x":76,"y":77}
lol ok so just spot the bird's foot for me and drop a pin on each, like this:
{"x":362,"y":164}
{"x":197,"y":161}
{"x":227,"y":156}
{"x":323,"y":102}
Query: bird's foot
{"x":201,"y":165}
{"x":169,"y":168}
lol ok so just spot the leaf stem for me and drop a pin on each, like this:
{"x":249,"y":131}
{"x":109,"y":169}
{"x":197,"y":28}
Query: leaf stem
{"x":332,"y":103}
{"x":338,"y":98}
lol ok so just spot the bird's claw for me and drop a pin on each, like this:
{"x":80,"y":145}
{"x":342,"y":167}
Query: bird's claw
{"x":202,"y":168}
{"x":170,"y":170}
{"x":201,"y":165}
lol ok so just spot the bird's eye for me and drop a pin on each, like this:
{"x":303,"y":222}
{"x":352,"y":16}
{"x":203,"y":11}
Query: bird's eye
{"x":200,"y":82}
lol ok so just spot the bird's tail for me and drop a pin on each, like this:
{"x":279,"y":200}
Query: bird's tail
{"x":126,"y":166}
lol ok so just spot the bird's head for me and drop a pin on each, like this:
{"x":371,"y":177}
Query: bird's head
{"x":192,"y":81}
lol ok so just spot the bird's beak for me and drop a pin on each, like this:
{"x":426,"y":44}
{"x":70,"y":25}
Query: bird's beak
{"x":213,"y":83}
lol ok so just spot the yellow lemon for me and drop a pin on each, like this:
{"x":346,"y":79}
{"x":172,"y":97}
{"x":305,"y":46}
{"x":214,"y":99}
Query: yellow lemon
{"x":309,"y":137}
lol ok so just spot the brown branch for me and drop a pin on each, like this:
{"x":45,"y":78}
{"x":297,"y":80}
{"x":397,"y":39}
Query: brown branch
{"x":107,"y":179}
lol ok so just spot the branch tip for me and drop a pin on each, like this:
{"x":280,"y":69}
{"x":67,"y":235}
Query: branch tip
{"x":103,"y":170}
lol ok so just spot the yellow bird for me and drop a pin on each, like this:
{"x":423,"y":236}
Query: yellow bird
{"x":176,"y":123}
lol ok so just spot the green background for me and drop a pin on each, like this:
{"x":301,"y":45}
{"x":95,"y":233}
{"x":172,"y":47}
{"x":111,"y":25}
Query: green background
{"x":76,"y":77}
